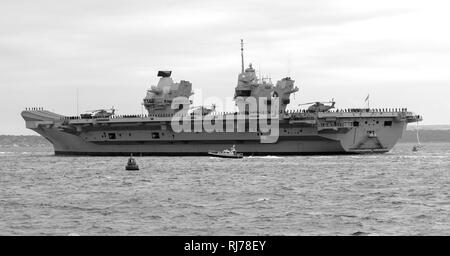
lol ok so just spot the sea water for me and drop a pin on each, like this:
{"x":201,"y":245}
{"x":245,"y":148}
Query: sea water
{"x":397,"y":193}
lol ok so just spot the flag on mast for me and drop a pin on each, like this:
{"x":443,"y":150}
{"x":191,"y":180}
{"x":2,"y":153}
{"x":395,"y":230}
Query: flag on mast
{"x":367,"y":100}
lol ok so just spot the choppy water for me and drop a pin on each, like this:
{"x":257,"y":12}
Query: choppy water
{"x":399,"y":193}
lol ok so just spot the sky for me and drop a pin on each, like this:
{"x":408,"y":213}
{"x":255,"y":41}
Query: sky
{"x":398,"y":52}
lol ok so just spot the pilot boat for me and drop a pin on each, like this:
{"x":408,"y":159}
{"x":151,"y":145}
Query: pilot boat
{"x":227,"y":153}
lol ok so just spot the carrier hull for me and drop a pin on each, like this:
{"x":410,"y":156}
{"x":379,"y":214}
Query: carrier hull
{"x":65,"y":144}
{"x":133,"y":136}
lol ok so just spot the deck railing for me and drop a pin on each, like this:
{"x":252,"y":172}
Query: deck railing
{"x":294,"y":113}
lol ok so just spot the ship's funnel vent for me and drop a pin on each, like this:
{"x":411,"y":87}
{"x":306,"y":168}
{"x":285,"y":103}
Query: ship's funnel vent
{"x":164,"y":73}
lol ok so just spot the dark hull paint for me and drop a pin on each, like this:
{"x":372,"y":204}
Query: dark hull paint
{"x":67,"y":153}
{"x":132,"y":168}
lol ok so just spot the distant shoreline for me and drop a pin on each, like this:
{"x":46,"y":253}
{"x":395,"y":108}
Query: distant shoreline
{"x":440,"y":127}
{"x":426,"y":136}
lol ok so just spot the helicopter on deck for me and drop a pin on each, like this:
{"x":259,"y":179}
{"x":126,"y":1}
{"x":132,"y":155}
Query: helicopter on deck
{"x":319,"y":106}
{"x":98,"y":113}
{"x":202,"y":110}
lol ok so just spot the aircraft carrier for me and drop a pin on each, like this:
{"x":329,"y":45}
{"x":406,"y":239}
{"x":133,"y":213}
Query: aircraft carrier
{"x":262,"y":125}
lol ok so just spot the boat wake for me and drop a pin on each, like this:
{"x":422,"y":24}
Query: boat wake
{"x":265,"y":157}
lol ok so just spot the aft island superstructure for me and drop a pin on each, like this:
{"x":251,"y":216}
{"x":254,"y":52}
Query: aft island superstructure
{"x":261,"y":126}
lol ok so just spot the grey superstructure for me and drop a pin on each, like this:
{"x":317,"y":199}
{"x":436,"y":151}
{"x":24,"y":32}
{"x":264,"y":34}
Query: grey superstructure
{"x":319,"y":129}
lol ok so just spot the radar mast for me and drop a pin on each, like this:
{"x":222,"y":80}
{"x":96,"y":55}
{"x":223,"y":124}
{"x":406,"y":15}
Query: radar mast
{"x":242,"y":55}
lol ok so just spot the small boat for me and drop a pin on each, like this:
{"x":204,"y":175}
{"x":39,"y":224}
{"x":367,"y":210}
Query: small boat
{"x":418,"y":146}
{"x":131,"y":165}
{"x":227,"y":153}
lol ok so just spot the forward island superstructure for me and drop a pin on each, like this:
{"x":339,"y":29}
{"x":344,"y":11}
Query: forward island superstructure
{"x":261,"y":126}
